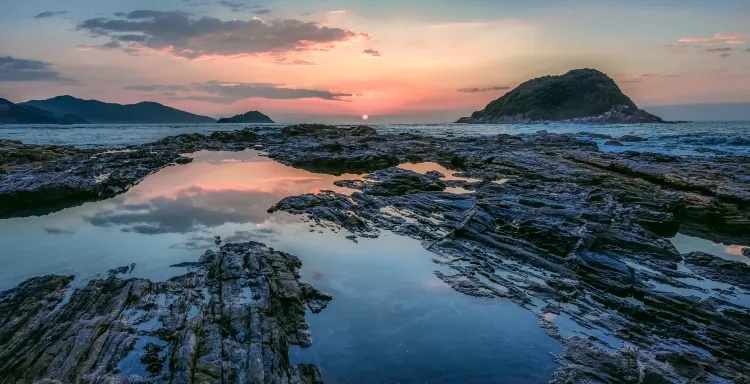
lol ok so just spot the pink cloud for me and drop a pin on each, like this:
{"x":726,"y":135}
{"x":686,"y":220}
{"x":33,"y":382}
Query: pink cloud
{"x":727,"y":38}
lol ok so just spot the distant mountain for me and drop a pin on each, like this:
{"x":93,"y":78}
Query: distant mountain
{"x":579,"y":96}
{"x":250,"y":117}
{"x":11,"y":113}
{"x":98,"y":112}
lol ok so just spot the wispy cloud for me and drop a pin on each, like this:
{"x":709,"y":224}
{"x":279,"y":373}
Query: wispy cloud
{"x":721,"y":49}
{"x":726,"y":38}
{"x":241,"y":7}
{"x":222,"y":92}
{"x":181,"y":34}
{"x":371,"y":54}
{"x":483,"y":89}
{"x":677,"y":48}
{"x":16,"y":70}
{"x":640,"y":78}
{"x":470,"y":24}
{"x":49,"y":14}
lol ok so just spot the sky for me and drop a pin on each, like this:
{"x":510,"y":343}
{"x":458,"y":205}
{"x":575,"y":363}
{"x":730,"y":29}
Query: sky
{"x":396,"y":61}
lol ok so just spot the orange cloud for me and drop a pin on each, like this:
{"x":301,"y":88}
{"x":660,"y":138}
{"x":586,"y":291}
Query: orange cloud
{"x":726,"y":38}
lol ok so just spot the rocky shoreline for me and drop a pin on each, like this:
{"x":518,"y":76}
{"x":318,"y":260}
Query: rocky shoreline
{"x":551,"y":223}
{"x":230,"y":319}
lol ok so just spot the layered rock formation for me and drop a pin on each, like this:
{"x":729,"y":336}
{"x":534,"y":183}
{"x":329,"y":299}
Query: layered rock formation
{"x":579,"y":96}
{"x":230,"y":319}
{"x":551,"y":223}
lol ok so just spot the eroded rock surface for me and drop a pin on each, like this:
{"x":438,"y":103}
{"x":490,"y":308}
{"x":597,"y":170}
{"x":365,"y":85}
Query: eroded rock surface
{"x":553,"y":224}
{"x":554,"y":221}
{"x":230,"y":319}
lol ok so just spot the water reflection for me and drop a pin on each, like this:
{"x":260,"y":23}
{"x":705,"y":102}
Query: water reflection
{"x":686,"y":244}
{"x":391,"y":319}
{"x":428,"y":166}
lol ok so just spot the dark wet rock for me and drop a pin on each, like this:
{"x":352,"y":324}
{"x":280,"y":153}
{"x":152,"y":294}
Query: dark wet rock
{"x":584,"y":362}
{"x":230,"y":319}
{"x":62,"y":175}
{"x":595,"y":135}
{"x":631,"y":139}
{"x":746,"y":251}
{"x":121,"y":270}
{"x":716,"y":268}
{"x":15,"y":153}
{"x":397,"y":181}
{"x":570,"y":227}
{"x":613,"y":143}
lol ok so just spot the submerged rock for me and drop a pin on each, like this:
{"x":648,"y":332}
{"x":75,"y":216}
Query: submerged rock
{"x":230,"y":319}
{"x":632,"y":139}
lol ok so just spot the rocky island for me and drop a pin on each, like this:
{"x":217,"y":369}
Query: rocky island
{"x":579,"y":96}
{"x":249,"y":117}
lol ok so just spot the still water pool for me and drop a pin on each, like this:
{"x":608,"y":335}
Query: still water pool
{"x":391,"y":321}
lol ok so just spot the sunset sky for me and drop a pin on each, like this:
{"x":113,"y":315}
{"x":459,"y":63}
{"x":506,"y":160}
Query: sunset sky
{"x":394,"y":60}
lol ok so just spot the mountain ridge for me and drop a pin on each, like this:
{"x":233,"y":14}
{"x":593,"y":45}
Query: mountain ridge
{"x":99,"y":112}
{"x":12,"y":113}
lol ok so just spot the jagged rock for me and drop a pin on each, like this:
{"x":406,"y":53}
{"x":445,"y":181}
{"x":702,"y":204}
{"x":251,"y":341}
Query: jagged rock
{"x":613,"y":143}
{"x":716,"y":268}
{"x":230,"y":319}
{"x":746,"y":251}
{"x":568,"y":225}
{"x":631,"y":139}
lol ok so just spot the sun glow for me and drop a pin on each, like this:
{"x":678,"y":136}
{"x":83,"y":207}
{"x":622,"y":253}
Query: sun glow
{"x":365,"y":117}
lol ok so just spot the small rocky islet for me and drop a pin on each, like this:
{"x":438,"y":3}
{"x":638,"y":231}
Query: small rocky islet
{"x":549,"y":222}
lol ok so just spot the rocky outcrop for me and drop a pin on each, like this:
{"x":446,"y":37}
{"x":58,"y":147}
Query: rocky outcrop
{"x":249,"y":117}
{"x":584,"y":231}
{"x":230,"y":319}
{"x":36,"y":178}
{"x":579,"y":96}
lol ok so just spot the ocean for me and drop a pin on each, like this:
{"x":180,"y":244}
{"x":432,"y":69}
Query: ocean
{"x":684,"y":138}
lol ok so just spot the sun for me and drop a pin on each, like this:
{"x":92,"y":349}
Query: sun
{"x":365,"y":117}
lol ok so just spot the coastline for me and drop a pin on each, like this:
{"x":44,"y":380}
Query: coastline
{"x":573,"y":216}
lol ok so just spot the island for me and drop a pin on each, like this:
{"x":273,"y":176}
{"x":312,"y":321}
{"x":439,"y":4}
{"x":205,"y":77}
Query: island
{"x":249,"y":117}
{"x":579,"y":96}
{"x":98,"y":112}
{"x":11,"y":113}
